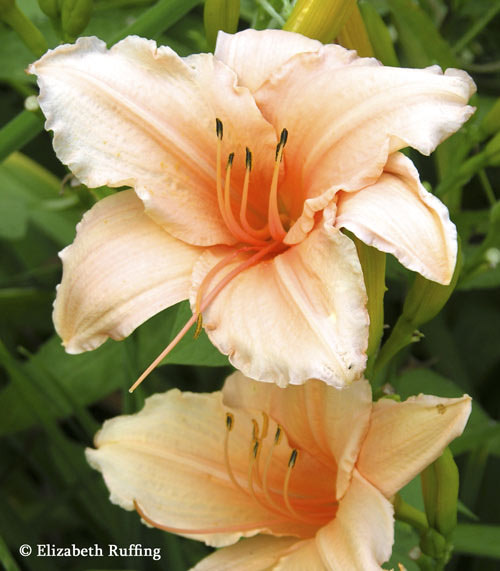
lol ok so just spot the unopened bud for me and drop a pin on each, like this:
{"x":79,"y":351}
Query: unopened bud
{"x":440,"y":493}
{"x":75,"y":15}
{"x":220,"y":15}
{"x":319,"y":19}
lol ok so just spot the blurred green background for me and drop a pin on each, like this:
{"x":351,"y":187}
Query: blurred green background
{"x":51,"y":404}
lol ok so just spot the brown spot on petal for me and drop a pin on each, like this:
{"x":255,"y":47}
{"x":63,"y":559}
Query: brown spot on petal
{"x":441,"y":408}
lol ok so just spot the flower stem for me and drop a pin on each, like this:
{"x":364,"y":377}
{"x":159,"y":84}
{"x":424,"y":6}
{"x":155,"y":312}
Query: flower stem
{"x":19,"y":131}
{"x":25,"y":29}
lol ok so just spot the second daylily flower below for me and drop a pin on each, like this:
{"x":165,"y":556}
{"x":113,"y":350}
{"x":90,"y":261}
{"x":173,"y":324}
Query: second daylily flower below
{"x":311,"y":468}
{"x":244,"y":166}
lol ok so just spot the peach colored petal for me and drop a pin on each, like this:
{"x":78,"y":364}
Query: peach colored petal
{"x":362,"y":533}
{"x":329,"y":423}
{"x":300,"y":315}
{"x":344,"y":117}
{"x":169,"y":461}
{"x":140,"y":115}
{"x":404,"y":438}
{"x":255,"y":55}
{"x":397,"y":215}
{"x":121,"y":270}
{"x":255,"y":554}
{"x":304,"y":555}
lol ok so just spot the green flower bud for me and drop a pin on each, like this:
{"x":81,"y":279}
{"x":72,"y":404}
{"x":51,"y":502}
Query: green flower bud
{"x":426,"y":298}
{"x":433,"y":544}
{"x":354,"y":36}
{"x":220,"y":15}
{"x":319,"y":19}
{"x":50,"y":8}
{"x":75,"y":15}
{"x":424,"y":301}
{"x":440,"y":492}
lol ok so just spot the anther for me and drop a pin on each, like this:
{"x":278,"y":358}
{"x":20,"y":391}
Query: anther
{"x":230,"y":160}
{"x":282,"y":143}
{"x":255,"y":429}
{"x":248,"y":158}
{"x":293,"y":458}
{"x":277,"y":436}
{"x":218,"y":128}
{"x":229,"y":421}
{"x":255,"y":449}
{"x":199,"y":325}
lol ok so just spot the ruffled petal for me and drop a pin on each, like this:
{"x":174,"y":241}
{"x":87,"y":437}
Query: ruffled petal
{"x":168,"y":462}
{"x":404,"y":438}
{"x":255,"y":55}
{"x":397,"y":215}
{"x":298,"y":316}
{"x":139,"y":115}
{"x":329,"y":423}
{"x":345,"y":115}
{"x":121,"y":270}
{"x":362,"y":533}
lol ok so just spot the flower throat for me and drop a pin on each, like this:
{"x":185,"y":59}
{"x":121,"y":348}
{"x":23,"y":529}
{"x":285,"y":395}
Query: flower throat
{"x":264,"y":242}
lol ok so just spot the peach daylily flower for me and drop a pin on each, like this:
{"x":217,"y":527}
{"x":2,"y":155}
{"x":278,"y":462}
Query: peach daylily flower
{"x":244,"y":167}
{"x":310,"y":468}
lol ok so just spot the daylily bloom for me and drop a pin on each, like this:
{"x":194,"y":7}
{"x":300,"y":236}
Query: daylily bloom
{"x":310,"y":468}
{"x":244,"y":167}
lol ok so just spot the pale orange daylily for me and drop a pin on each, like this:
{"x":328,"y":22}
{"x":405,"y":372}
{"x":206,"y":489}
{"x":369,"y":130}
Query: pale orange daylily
{"x":244,"y":166}
{"x":310,"y":468}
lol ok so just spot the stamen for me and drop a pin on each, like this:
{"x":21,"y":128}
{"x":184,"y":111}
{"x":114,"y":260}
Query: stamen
{"x":275,"y":226}
{"x":265,"y":425}
{"x":231,"y":223}
{"x":291,"y":464}
{"x":199,"y":326}
{"x":229,"y":427}
{"x":255,"y":429}
{"x":219,"y":129}
{"x":212,"y":294}
{"x":265,"y":489}
{"x":165,"y":352}
{"x":264,"y":231}
{"x":215,"y":270}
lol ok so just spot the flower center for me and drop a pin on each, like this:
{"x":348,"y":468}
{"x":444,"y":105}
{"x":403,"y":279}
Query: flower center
{"x":278,"y":500}
{"x":241,"y":229}
{"x":264,"y":242}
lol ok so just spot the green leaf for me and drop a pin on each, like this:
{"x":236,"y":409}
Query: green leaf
{"x":6,"y":558}
{"x":422,"y":43}
{"x":38,"y":193}
{"x":86,"y":378}
{"x":156,"y":333}
{"x":476,"y":539}
{"x":157,"y":19}
{"x":19,"y":131}
{"x":13,"y":217}
{"x":406,"y":539}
